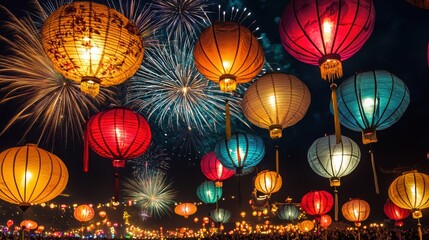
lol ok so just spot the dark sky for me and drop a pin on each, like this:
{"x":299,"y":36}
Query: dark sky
{"x":398,"y":44}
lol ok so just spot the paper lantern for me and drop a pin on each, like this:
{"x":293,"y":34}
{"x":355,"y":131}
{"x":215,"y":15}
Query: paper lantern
{"x":83,"y":213}
{"x":9,"y":223}
{"x":420,"y":3}
{"x":240,"y":152}
{"x":92,"y":44}
{"x":276,"y":101}
{"x":31,"y":175}
{"x":288,"y":212}
{"x":41,"y":228}
{"x":102,"y":214}
{"x":208,"y":192}
{"x":213,"y":169}
{"x":317,"y":203}
{"x":259,"y":203}
{"x":268,"y":182}
{"x":185,"y":209}
{"x":305,"y":226}
{"x":356,"y":210}
{"x":220,"y":215}
{"x":28,"y":224}
{"x":325,"y":221}
{"x":227,"y":53}
{"x":396,"y":213}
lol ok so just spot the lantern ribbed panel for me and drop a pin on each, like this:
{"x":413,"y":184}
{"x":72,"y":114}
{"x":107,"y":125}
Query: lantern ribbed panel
{"x":396,"y":213}
{"x":242,"y":151}
{"x":207,"y":192}
{"x":329,"y":159}
{"x":325,"y":221}
{"x":276,"y":99}
{"x":372,"y":100}
{"x":83,"y":213}
{"x":28,"y":224}
{"x":288,"y":212}
{"x":305,"y":226}
{"x":268,"y":182}
{"x":118,"y":134}
{"x":213,"y":169}
{"x":355,"y":210}
{"x":410,"y":191}
{"x":87,"y":39}
{"x":303,"y":34}
{"x":420,"y":3}
{"x":317,"y":203}
{"x":31,"y":175}
{"x":228,"y":48}
{"x":185,"y":209}
{"x":220,"y":215}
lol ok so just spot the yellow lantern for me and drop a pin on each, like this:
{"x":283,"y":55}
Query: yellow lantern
{"x":306,"y":226}
{"x":356,"y":210}
{"x":92,"y":44}
{"x":28,"y":224}
{"x":276,"y":101}
{"x":31,"y":175}
{"x":185,"y":209}
{"x":102,"y":213}
{"x":268,"y":182}
{"x":84,"y":213}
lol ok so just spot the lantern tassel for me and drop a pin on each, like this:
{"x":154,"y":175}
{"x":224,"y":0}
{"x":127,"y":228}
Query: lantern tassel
{"x":227,"y":120}
{"x":277,"y":159}
{"x":336,"y":204}
{"x":85,"y":151}
{"x":336,"y":114}
{"x":419,"y":229}
{"x":374,"y":172}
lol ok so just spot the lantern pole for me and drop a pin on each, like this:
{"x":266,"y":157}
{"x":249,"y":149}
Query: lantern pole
{"x":374,"y":170}
{"x":227,"y":120}
{"x":335,"y":108}
{"x":419,"y":228}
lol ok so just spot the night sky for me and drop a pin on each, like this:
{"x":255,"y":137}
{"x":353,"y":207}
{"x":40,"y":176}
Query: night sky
{"x":398,"y":44}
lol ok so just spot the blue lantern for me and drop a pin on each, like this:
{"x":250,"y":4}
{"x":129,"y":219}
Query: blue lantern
{"x":207,"y":192}
{"x":240,"y":152}
{"x":220,"y":215}
{"x":288,"y":212}
{"x":370,"y":101}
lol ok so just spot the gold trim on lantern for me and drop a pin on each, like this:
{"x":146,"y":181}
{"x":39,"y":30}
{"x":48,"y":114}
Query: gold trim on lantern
{"x":331,"y":67}
{"x":90,"y":85}
{"x":369,"y":136}
{"x":275,"y":131}
{"x":334,"y":182}
{"x":218,"y":184}
{"x":417,"y":213}
{"x":227,"y":83}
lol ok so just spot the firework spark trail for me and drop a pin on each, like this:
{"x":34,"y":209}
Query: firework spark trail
{"x":155,"y":159}
{"x":44,"y":99}
{"x":151,"y":192}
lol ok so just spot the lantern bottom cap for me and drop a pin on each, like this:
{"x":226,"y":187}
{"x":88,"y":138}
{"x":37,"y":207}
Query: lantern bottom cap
{"x":90,"y":86}
{"x":275,"y":131}
{"x":227,"y":83}
{"x":331,"y":69}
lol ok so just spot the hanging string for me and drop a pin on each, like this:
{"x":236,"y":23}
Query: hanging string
{"x":277,"y":159}
{"x":227,"y":120}
{"x":374,"y":170}
{"x":336,"y":114}
{"x":336,"y":204}
{"x":419,"y":229}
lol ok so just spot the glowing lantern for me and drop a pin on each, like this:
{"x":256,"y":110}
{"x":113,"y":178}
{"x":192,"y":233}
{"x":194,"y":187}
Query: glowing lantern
{"x":196,"y":220}
{"x":288,"y":212}
{"x":276,"y":101}
{"x":420,"y":3}
{"x":92,"y":44}
{"x":240,"y":152}
{"x":31,"y":175}
{"x":102,"y":214}
{"x":268,"y":182}
{"x":411,"y":191}
{"x":259,"y":202}
{"x":118,"y":134}
{"x":325,"y":33}
{"x":325,"y":221}
{"x":356,"y":210}
{"x":41,"y":228}
{"x":317,"y":203}
{"x":220,"y":215}
{"x":208,"y":192}
{"x":206,"y":220}
{"x":185,"y":209}
{"x":83,"y":213}
{"x":28,"y":224}
{"x":9,"y":223}
{"x":395,"y":213}
{"x":213,"y":169}
{"x":370,"y":101}
{"x":305,"y":226}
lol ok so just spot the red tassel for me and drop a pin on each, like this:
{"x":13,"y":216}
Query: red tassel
{"x":85,"y":152}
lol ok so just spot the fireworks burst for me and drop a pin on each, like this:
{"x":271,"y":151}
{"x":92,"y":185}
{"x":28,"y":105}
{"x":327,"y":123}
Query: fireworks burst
{"x":43,"y":98}
{"x":155,"y":159}
{"x":152,"y":192}
{"x":170,"y":91}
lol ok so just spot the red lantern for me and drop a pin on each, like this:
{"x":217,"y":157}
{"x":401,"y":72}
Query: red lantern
{"x":118,"y":134}
{"x":9,"y":223}
{"x":213,"y":169}
{"x":317,"y":203}
{"x":325,"y":221}
{"x":396,"y":213}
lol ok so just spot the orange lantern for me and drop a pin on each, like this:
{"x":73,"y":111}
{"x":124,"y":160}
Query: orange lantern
{"x":41,"y":228}
{"x":268,"y":182}
{"x":306,"y":226}
{"x":28,"y":224}
{"x":84,"y":213}
{"x":356,"y":210}
{"x":102,"y":214}
{"x":185,"y":209}
{"x":325,"y":221}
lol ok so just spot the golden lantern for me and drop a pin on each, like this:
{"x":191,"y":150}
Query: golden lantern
{"x":28,"y":224}
{"x":41,"y":228}
{"x":83,"y":213}
{"x":92,"y":44}
{"x":305,"y":226}
{"x":102,"y":214}
{"x":411,"y":191}
{"x":356,"y":210}
{"x":31,"y":175}
{"x":268,"y":182}
{"x":276,"y":101}
{"x":185,"y":209}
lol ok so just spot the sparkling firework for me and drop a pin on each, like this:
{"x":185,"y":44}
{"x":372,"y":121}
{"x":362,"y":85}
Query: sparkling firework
{"x":152,"y":192}
{"x":43,"y":99}
{"x":155,"y":159}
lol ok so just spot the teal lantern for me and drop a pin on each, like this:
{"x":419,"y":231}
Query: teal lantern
{"x":207,"y":192}
{"x":288,"y":212}
{"x":220,"y":215}
{"x":240,"y":152}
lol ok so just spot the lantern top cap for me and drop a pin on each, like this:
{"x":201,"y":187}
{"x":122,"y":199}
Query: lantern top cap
{"x":411,"y":171}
